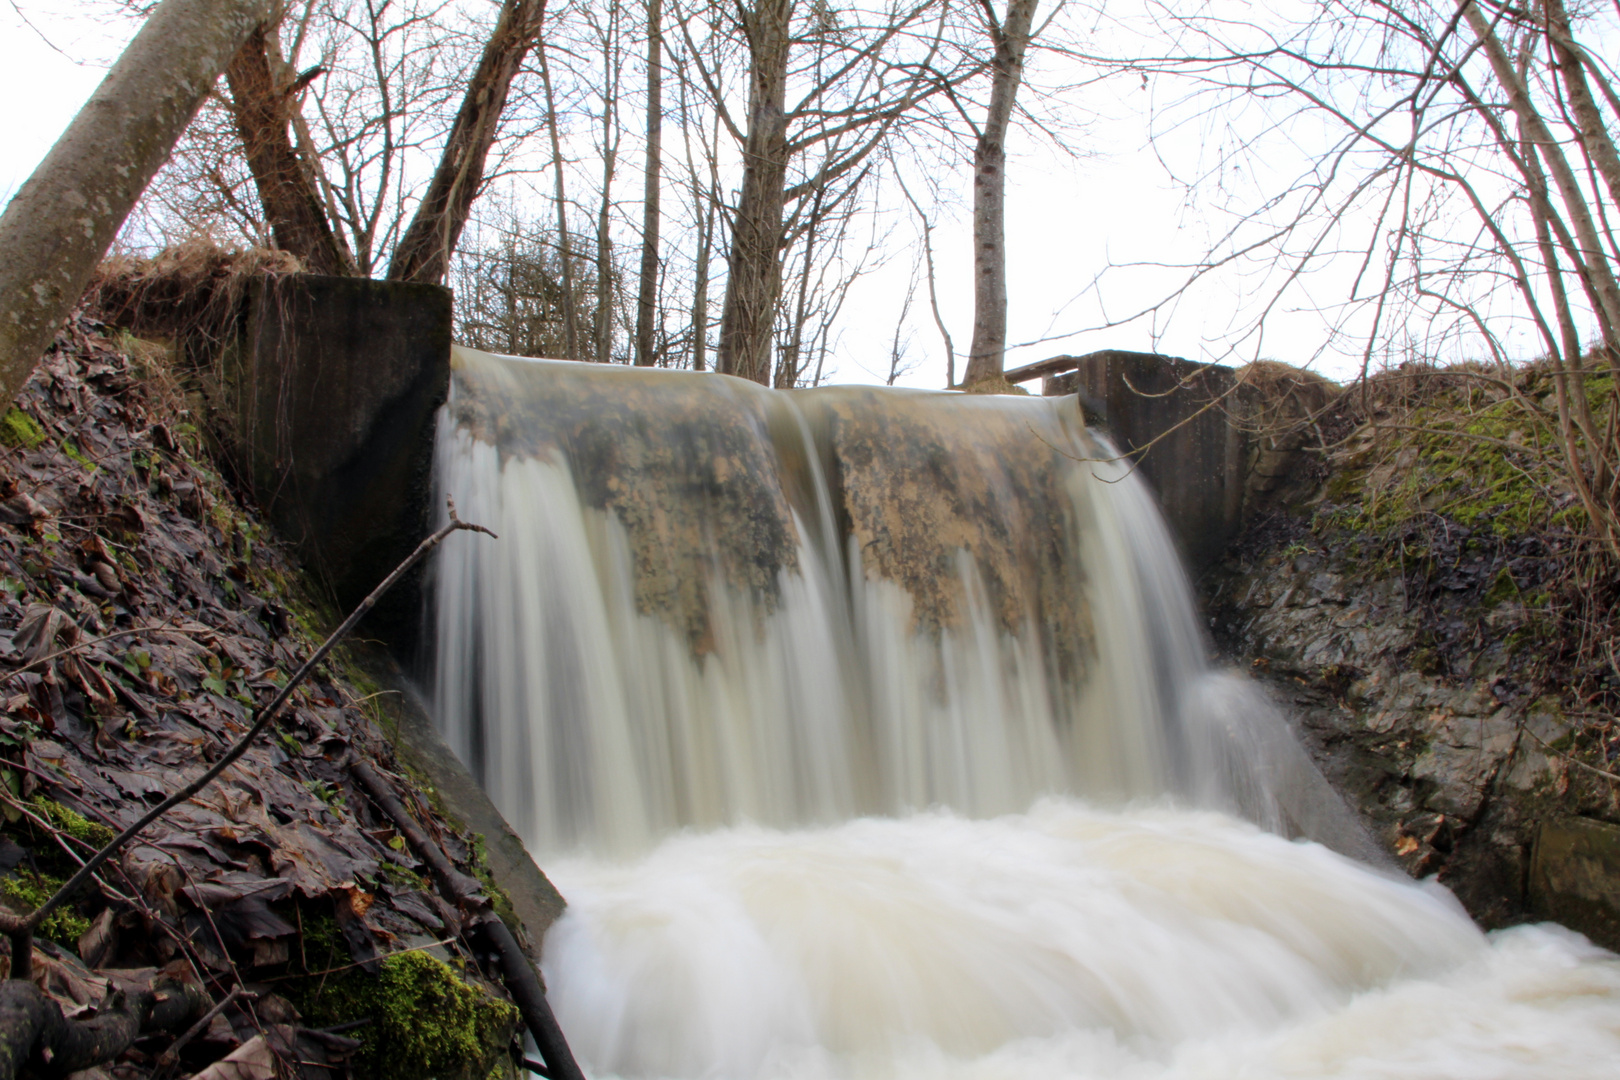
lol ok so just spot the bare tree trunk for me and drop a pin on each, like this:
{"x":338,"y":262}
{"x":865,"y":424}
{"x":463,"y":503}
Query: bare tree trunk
{"x":303,"y":141}
{"x":989,"y":347}
{"x":755,"y":278}
{"x":260,"y":107}
{"x":647,"y":287}
{"x":64,"y":217}
{"x":700,"y":293}
{"x":703,"y":204}
{"x":424,"y":251}
{"x":565,"y":249}
{"x":789,"y":367}
{"x":1594,"y":133}
{"x":603,"y":345}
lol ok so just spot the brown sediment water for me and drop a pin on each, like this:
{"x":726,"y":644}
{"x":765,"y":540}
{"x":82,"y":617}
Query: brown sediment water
{"x":871,"y":732}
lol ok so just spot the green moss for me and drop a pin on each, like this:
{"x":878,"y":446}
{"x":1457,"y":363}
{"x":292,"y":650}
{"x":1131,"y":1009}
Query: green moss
{"x":27,"y":890}
{"x":1486,"y":466}
{"x":1503,"y":588}
{"x":401,"y":878}
{"x":76,"y":454}
{"x":75,"y":824}
{"x":321,"y":946}
{"x":498,"y":899}
{"x":17,"y":428}
{"x":1425,"y":661}
{"x":426,"y":1020}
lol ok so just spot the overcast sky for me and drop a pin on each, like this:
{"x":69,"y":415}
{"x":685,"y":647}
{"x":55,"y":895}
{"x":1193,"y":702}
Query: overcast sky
{"x":1068,"y":220}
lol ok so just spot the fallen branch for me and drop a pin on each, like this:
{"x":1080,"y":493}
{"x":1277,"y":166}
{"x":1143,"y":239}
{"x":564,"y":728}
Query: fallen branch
{"x":171,"y":1056}
{"x":34,"y":1033}
{"x":20,"y":928}
{"x":482,"y":924}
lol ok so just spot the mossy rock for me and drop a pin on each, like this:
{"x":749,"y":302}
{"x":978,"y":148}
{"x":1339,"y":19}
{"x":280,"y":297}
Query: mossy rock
{"x":427,"y":1022}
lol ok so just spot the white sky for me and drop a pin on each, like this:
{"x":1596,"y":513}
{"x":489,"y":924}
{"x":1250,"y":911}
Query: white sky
{"x":1067,"y":220}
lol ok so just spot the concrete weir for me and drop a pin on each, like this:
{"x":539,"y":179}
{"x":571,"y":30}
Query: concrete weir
{"x":1171,"y":416}
{"x":332,"y":385}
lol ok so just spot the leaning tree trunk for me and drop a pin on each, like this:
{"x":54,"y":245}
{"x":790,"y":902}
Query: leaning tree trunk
{"x":262,"y":112}
{"x":65,"y":216}
{"x":647,"y":288}
{"x":989,"y":346}
{"x":425,"y":249}
{"x":755,"y":280}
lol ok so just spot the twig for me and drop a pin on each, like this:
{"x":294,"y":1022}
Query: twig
{"x":21,"y":928}
{"x":161,"y":628}
{"x":517,"y":971}
{"x":167,"y":1059}
{"x":1570,"y":758}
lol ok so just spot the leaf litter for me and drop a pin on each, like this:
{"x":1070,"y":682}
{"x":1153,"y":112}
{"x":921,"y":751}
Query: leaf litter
{"x":144,"y":612}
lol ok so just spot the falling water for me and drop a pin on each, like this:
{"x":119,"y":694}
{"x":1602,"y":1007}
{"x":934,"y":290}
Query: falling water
{"x":870,"y":732}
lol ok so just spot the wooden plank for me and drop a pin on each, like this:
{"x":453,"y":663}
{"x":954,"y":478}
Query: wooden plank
{"x":1052,"y":365}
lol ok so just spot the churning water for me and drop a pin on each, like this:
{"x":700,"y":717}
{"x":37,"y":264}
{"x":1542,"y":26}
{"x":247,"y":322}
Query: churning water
{"x":869,"y":734}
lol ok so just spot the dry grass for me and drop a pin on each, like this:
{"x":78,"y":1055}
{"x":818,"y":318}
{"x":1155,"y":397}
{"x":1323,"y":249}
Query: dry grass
{"x":190,"y":294}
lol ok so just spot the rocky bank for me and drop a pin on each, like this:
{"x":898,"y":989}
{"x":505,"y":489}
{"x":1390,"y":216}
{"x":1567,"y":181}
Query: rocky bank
{"x":1419,"y":598}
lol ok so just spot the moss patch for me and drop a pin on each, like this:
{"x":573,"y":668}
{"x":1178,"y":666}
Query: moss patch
{"x":27,"y":890}
{"x":1470,"y":453}
{"x":73,"y":823}
{"x":17,"y":428}
{"x":426,"y":1020}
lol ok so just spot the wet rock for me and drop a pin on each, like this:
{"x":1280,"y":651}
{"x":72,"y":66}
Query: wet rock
{"x":1463,"y":758}
{"x":1406,"y":706}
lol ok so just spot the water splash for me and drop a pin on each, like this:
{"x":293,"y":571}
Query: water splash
{"x":1067,"y":942}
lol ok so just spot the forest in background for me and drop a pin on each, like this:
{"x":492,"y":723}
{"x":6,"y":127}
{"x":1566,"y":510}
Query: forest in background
{"x":703,"y":186}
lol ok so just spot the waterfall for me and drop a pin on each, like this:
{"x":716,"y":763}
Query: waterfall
{"x":871,"y":732}
{"x":714,"y":603}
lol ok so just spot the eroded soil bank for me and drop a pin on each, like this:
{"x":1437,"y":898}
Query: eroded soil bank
{"x":144,"y":613}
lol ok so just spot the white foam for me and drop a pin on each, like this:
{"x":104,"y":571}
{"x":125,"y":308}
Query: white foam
{"x":1067,"y":942}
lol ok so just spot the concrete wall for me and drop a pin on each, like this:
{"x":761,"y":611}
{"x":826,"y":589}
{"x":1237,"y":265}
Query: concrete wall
{"x":1575,"y":877}
{"x":333,"y":383}
{"x":1198,"y":464}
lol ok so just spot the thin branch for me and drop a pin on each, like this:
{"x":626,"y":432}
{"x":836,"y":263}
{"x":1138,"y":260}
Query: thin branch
{"x":21,"y":928}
